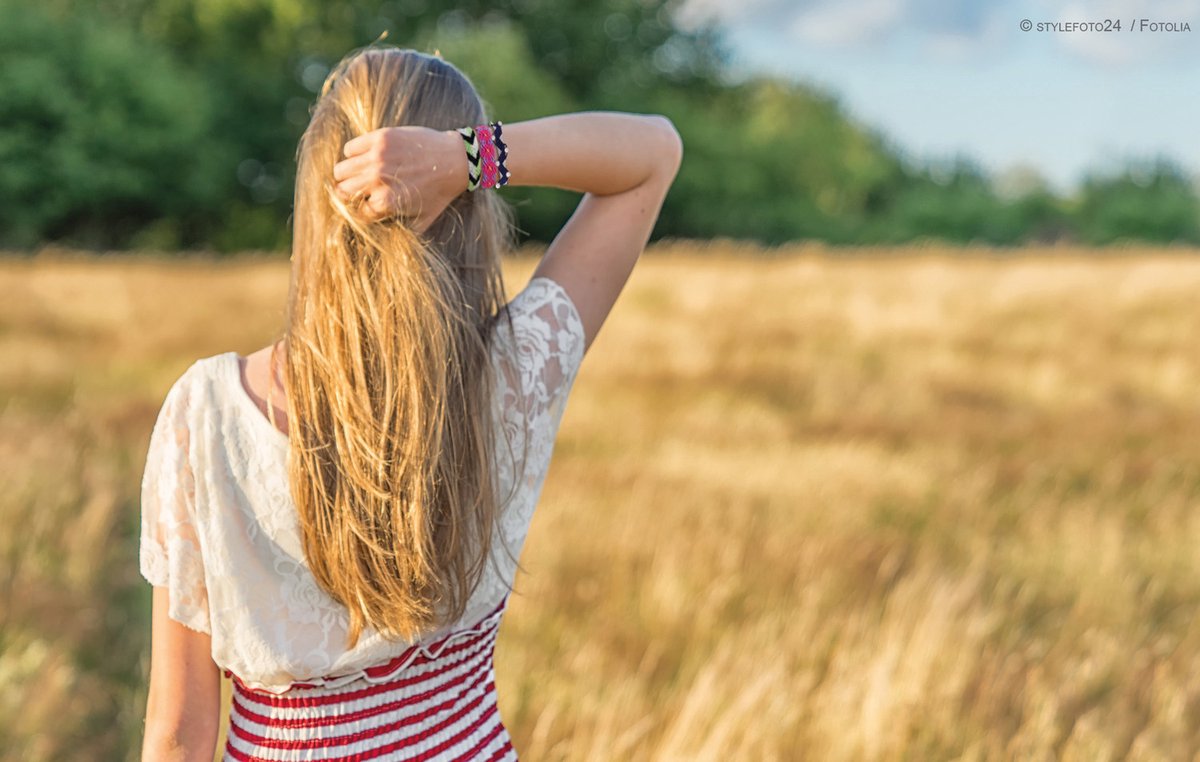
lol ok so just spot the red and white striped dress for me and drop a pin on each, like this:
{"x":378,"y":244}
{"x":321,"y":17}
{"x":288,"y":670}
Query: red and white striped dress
{"x":220,"y":531}
{"x":432,"y":702}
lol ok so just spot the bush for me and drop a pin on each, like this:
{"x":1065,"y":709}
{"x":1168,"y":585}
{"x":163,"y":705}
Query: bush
{"x":103,"y":134}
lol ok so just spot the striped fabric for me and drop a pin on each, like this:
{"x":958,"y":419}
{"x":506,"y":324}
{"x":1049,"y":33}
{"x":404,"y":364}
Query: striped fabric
{"x":434,"y":701}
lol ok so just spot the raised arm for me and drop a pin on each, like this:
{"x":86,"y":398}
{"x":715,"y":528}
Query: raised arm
{"x":597,"y":152}
{"x":622,"y":163}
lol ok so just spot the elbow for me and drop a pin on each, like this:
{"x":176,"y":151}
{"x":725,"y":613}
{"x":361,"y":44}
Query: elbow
{"x":171,"y":747}
{"x":185,"y":741}
{"x":671,"y":153}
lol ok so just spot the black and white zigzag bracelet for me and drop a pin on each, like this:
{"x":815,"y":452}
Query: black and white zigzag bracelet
{"x":468,"y":136}
{"x":486,"y":156}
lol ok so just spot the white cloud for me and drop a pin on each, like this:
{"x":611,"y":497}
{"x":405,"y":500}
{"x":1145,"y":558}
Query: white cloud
{"x":834,"y":23}
{"x":845,"y":21}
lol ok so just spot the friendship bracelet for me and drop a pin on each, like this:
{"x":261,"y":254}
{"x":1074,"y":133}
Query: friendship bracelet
{"x":489,"y":172}
{"x":468,"y":136}
{"x":486,"y":155}
{"x":501,"y":155}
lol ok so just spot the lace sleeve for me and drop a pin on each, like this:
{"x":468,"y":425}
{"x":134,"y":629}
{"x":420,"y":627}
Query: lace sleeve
{"x":170,"y":552}
{"x":549,"y":345}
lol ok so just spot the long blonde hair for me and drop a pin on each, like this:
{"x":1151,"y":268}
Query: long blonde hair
{"x":388,"y":377}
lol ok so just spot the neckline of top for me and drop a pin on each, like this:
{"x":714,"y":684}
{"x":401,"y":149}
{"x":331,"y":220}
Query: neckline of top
{"x":235,"y":374}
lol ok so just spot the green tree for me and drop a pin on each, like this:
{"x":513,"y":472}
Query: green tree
{"x":176,"y":121}
{"x":100,"y":133}
{"x":954,"y":200}
{"x":1150,"y":200}
{"x":774,"y":161}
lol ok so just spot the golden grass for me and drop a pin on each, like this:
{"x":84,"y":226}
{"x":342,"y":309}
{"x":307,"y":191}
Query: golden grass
{"x":921,"y":503}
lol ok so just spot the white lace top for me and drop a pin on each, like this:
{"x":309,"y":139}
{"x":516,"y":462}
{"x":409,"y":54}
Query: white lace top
{"x":219,"y":528}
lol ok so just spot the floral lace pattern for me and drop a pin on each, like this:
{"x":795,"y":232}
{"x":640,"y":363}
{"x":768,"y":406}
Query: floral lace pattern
{"x":219,"y":529}
{"x":170,"y":553}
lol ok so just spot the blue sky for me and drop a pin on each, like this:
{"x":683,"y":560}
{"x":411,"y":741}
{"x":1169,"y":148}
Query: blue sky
{"x":940,"y":77}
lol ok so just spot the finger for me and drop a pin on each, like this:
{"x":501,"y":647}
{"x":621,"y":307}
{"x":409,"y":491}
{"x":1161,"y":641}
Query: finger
{"x":353,"y":185}
{"x":360,"y":144}
{"x":348,"y":167}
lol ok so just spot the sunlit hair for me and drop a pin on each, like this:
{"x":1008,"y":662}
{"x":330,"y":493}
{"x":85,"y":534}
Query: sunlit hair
{"x":386,"y":357}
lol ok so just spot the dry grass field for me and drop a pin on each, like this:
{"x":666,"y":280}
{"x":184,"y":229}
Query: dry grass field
{"x":904,"y":504}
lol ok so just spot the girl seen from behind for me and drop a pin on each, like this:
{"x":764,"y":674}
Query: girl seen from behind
{"x":333,"y":521}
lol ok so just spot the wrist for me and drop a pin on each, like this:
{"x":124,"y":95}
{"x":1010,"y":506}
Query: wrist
{"x":454,"y":156}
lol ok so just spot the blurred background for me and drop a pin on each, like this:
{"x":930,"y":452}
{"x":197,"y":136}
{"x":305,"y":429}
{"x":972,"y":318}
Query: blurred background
{"x":130,"y":123}
{"x":890,"y":449}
